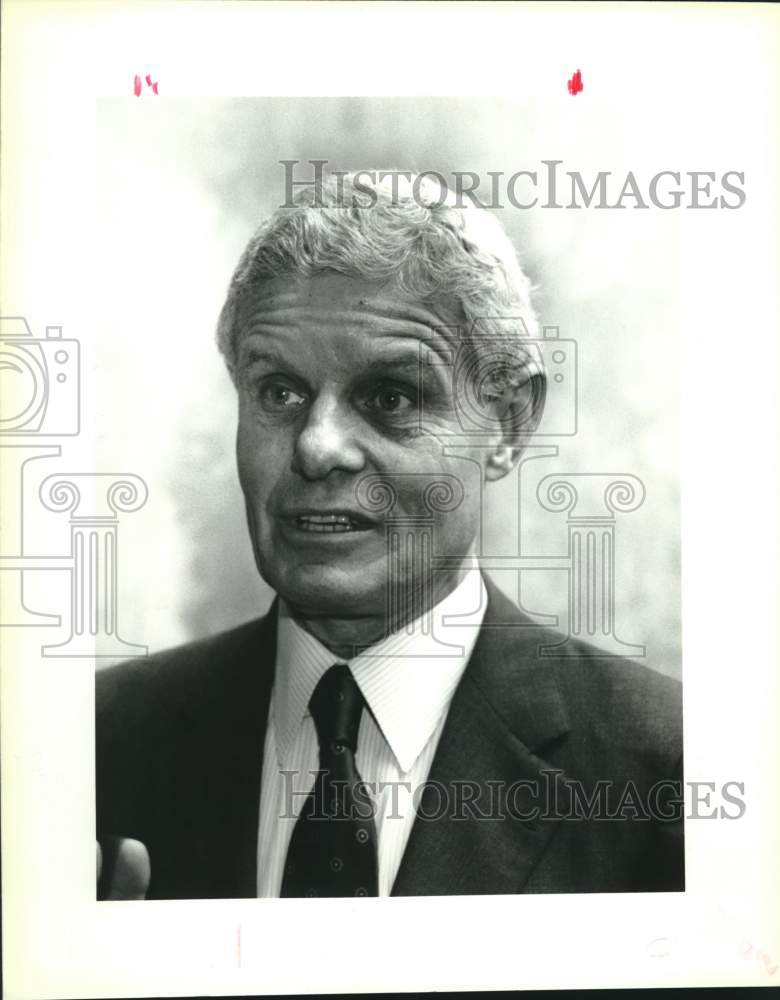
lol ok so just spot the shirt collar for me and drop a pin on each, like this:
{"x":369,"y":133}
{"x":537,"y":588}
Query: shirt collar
{"x":406,"y":679}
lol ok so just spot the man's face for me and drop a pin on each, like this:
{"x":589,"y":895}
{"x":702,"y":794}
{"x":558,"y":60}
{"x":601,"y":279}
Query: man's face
{"x":329,"y":393}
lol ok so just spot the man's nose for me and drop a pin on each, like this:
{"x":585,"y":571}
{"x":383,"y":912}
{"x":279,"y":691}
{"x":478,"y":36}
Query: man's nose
{"x":327,"y":441}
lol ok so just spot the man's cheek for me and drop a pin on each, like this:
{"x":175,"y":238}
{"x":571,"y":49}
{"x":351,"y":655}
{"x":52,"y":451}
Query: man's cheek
{"x":246,"y":449}
{"x":249,"y":481}
{"x":258,"y":458}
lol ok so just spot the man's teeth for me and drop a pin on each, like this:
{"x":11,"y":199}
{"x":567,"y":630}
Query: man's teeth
{"x":326,"y":522}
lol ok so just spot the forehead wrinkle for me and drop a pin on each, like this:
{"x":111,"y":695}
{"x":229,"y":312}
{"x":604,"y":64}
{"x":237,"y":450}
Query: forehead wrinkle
{"x":358,"y":318}
{"x":272,"y":324}
{"x":401,"y":351}
{"x":361,"y":308}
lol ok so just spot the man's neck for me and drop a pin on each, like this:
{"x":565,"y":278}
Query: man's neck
{"x":346,"y":636}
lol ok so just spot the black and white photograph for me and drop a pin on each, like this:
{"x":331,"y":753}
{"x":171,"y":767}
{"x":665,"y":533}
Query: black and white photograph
{"x":375,"y":495}
{"x":392,"y":378}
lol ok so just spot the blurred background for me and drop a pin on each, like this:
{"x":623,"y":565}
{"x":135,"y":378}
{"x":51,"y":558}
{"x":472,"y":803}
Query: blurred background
{"x":182,"y":184}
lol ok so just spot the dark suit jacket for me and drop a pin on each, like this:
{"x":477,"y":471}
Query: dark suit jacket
{"x":535,"y":757}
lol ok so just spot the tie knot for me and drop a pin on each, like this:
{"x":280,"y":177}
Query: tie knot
{"x":336,"y":706}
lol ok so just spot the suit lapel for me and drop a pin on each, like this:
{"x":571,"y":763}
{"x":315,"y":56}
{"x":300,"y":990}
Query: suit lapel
{"x":505,"y":711}
{"x":487,"y":775}
{"x":229,"y":760}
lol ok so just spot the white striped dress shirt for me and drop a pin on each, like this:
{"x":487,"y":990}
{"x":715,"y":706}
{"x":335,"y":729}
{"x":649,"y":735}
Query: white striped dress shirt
{"x":407,"y":681}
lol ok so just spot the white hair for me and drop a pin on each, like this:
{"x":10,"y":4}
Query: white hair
{"x":411,"y":232}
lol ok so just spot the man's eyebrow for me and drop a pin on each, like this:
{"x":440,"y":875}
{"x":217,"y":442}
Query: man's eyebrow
{"x":414,"y":363}
{"x":248,"y":356}
{"x":406,"y":360}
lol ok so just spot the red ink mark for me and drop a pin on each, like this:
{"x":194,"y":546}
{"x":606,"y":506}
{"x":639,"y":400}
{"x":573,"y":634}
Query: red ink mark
{"x":149,"y":83}
{"x":574,"y":85}
{"x":763,"y":957}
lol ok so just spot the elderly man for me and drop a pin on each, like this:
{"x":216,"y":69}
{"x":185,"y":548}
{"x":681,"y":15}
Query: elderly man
{"x":389,"y":727}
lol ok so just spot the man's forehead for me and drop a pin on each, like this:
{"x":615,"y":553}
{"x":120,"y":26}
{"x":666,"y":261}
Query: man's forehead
{"x":378,"y":307}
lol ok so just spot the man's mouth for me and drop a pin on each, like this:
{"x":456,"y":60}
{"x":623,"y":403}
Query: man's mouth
{"x":330,"y":523}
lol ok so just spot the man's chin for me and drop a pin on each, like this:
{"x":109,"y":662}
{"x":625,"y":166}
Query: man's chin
{"x":330,"y":593}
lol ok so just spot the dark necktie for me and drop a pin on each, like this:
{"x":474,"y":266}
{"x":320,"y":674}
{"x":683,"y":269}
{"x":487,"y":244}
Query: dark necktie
{"x":333,"y":849}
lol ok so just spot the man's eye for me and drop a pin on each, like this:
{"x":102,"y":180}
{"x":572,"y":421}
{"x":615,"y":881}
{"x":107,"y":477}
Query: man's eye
{"x":390,"y":402}
{"x":278,"y":396}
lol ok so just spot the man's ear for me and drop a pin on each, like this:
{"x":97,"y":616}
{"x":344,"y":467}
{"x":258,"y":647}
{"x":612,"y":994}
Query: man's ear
{"x":520,"y":411}
{"x":501,"y":461}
